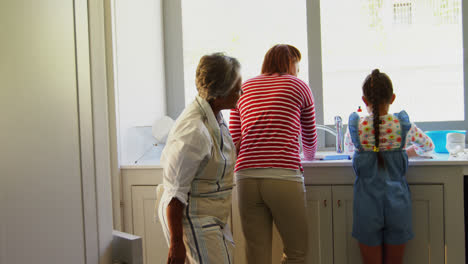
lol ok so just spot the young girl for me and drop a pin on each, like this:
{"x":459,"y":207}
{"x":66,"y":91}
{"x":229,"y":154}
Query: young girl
{"x":382,"y":221}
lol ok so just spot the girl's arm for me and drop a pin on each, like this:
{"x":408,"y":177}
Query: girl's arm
{"x":411,"y":152}
{"x":421,"y":143}
{"x":348,"y":143}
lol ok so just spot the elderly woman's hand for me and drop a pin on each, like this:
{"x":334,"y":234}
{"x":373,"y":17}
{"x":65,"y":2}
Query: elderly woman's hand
{"x":176,"y":253}
{"x":174,"y":212}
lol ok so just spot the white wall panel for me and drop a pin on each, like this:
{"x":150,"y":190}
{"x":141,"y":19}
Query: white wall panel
{"x":40,"y":157}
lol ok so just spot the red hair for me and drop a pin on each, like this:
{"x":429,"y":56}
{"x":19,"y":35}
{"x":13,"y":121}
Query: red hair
{"x":280,"y":59}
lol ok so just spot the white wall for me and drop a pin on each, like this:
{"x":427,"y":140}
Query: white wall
{"x":139,"y":71}
{"x":40,"y":137}
{"x":52,"y":204}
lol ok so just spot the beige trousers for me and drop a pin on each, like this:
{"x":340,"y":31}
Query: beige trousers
{"x":262,"y":201}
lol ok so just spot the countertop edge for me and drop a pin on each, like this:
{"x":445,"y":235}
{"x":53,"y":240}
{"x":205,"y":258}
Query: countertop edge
{"x":332,"y":163}
{"x":140,"y":167}
{"x":346,"y":163}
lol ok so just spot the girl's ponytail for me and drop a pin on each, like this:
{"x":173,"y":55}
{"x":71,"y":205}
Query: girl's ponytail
{"x":378,"y":89}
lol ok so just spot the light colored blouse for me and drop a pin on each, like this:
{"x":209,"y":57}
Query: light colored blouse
{"x":189,"y":146}
{"x":390,"y":136}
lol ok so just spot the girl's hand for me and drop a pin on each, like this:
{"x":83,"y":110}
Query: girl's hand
{"x":411,"y":152}
{"x":176,"y":253}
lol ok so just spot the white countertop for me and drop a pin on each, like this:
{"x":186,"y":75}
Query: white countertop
{"x":151,"y":161}
{"x":436,"y":159}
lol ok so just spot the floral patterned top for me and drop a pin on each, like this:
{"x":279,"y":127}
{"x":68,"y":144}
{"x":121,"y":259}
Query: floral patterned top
{"x":390,"y":135}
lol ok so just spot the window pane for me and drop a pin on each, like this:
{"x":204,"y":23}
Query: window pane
{"x":418,"y":43}
{"x":244,"y":29}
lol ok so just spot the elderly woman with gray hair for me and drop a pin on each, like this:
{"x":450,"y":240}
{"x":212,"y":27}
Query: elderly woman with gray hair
{"x":198,"y":163}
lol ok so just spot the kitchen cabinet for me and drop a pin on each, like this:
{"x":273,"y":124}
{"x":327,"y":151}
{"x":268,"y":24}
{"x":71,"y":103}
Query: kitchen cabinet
{"x":345,"y":246}
{"x":427,"y":246}
{"x":333,"y":243}
{"x":139,"y":203}
{"x":330,"y":214}
{"x":438,"y":218}
{"x":146,"y":224}
{"x":320,"y":230}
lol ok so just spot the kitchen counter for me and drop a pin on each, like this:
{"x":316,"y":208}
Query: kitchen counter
{"x":436,"y":183}
{"x":151,"y":160}
{"x":435,"y":159}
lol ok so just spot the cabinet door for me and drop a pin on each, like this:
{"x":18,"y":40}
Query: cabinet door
{"x":146,"y":224}
{"x":346,"y":247}
{"x":427,"y":246}
{"x":319,"y":214}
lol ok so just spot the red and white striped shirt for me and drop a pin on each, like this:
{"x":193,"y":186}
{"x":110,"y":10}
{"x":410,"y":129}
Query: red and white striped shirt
{"x":273,"y":111}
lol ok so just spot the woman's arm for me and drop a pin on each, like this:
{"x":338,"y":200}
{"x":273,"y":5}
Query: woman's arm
{"x":185,"y":150}
{"x":308,"y":129}
{"x":181,"y":158}
{"x":235,"y":128}
{"x":308,"y":132}
{"x":235,"y":125}
{"x":174,"y":212}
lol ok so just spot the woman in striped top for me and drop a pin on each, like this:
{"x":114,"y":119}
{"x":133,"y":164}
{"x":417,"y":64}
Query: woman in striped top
{"x":275,"y":111}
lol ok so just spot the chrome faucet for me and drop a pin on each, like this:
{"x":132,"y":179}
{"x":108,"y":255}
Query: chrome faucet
{"x":338,"y":133}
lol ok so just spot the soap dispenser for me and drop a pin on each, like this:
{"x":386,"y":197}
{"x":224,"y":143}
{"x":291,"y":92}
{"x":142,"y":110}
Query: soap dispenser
{"x":359,"y":111}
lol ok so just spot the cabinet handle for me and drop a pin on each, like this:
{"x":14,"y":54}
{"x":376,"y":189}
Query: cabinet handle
{"x":324,"y":203}
{"x":338,"y":203}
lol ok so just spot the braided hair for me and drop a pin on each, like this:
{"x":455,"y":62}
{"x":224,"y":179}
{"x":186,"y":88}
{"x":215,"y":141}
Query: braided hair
{"x":378,"y":90}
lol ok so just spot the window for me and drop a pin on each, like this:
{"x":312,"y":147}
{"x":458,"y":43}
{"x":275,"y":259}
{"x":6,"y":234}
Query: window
{"x":418,"y":43}
{"x":447,"y":11}
{"x":243,"y":29}
{"x":402,"y":12}
{"x":139,"y":75}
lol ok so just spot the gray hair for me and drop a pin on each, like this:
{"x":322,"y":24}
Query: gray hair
{"x":216,"y":75}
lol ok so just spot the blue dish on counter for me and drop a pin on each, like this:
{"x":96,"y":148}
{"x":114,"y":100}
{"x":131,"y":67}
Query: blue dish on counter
{"x":337,"y":157}
{"x":439,"y":138}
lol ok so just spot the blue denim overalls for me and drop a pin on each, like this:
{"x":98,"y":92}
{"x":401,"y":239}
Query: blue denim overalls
{"x":382,"y":199}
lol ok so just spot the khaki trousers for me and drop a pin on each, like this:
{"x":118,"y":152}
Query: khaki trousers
{"x":262,"y":201}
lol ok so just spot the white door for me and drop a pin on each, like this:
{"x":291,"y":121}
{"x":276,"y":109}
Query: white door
{"x":320,"y":228}
{"x":50,"y":210}
{"x":146,"y":224}
{"x":320,"y":233}
{"x":427,"y":246}
{"x":345,"y":246}
{"x":428,"y":226}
